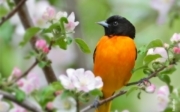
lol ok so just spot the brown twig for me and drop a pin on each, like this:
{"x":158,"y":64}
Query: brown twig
{"x":26,"y":103}
{"x":123,"y":92}
{"x":27,"y":23}
{"x":5,"y":18}
{"x":24,"y":74}
{"x":103,"y":101}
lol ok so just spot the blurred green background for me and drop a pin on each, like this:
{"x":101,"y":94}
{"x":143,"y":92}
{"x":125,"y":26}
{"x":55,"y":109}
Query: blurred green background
{"x":88,"y":12}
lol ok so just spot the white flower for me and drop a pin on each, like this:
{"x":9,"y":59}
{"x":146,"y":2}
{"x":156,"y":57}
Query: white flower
{"x":80,"y":80}
{"x":163,"y":97}
{"x":49,"y":14}
{"x":175,"y":37}
{"x":4,"y":107}
{"x":163,"y":7}
{"x":70,"y":26}
{"x":64,"y":104}
{"x":158,"y":50}
{"x":60,"y":14}
{"x":17,"y":108}
{"x":29,"y":84}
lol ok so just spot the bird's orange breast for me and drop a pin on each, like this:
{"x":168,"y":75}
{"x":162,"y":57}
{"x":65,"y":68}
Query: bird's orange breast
{"x":113,"y":61}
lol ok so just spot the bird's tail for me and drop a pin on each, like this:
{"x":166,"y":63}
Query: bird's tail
{"x":104,"y":107}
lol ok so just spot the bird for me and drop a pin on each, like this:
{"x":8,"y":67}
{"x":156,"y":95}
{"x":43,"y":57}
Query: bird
{"x":114,"y":56}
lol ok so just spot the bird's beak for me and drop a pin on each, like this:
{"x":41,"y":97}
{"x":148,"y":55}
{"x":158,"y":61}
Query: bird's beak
{"x":103,"y":23}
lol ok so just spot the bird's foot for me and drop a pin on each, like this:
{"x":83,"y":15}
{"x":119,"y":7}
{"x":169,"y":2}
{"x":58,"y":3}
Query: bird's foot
{"x":145,"y":82}
{"x":96,"y":103}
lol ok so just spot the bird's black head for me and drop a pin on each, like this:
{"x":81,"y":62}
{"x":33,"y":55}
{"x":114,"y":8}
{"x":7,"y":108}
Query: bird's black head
{"x":118,"y":26}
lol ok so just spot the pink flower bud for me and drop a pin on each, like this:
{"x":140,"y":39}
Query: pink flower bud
{"x":40,"y":44}
{"x":45,"y":50}
{"x":151,"y":88}
{"x":176,"y":50}
{"x":49,"y":106}
{"x":16,"y":72}
{"x":49,"y":14}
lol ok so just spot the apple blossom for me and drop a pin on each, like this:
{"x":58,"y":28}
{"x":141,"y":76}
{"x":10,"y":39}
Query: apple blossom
{"x":175,"y":37}
{"x":64,"y":104}
{"x":80,"y":80}
{"x":4,"y":106}
{"x":163,"y":7}
{"x":60,"y":14}
{"x":29,"y":84}
{"x":17,"y":108}
{"x":163,"y":97}
{"x":49,"y":14}
{"x":176,"y":50}
{"x":159,"y":50}
{"x":71,"y":22}
{"x":151,"y":88}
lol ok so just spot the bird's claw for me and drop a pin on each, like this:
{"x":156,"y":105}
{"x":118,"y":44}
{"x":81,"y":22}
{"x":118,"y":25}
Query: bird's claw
{"x":144,"y":81}
{"x":96,"y":103}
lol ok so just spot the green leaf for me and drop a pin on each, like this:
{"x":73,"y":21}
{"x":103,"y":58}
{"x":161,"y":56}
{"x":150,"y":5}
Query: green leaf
{"x":62,"y":21}
{"x":66,"y":93}
{"x":61,"y":43}
{"x":31,"y":53}
{"x":19,"y":94}
{"x":55,"y":27}
{"x":85,"y":97}
{"x":96,"y":92}
{"x":46,"y":94}
{"x":57,"y":85}
{"x":170,"y":70}
{"x":155,"y":43}
{"x":149,"y":58}
{"x":42,"y":64}
{"x":139,"y":95}
{"x":68,"y":40}
{"x":82,"y":45}
{"x":141,"y":50}
{"x":6,"y":31}
{"x":29,"y":34}
{"x":168,"y":110}
{"x":147,"y":71}
{"x":132,"y":89}
{"x":171,"y":88}
{"x":165,"y":78}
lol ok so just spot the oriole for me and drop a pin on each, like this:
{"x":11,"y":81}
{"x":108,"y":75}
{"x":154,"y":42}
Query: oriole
{"x":114,"y":56}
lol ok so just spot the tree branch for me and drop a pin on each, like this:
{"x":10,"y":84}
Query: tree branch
{"x":154,"y":74}
{"x":26,"y":103}
{"x":5,"y":18}
{"x":23,"y":75}
{"x":27,"y":23}
{"x":103,"y":101}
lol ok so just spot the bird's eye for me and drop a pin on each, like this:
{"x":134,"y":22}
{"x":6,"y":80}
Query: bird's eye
{"x":115,"y":23}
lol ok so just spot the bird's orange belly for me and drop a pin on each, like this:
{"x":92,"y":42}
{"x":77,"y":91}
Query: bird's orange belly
{"x":114,"y":61}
